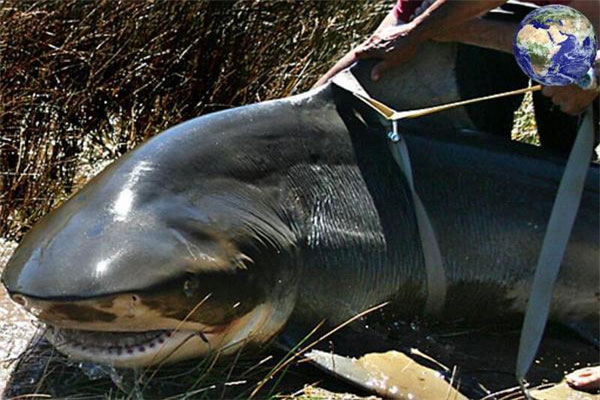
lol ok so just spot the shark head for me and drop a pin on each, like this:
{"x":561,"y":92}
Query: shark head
{"x":160,"y":258}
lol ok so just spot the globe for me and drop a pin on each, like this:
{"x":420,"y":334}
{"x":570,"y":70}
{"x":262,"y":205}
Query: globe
{"x":555,"y":45}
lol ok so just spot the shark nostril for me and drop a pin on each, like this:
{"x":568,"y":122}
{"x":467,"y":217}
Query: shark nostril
{"x":17,"y":298}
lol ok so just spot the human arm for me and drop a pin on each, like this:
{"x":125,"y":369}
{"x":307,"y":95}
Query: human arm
{"x":396,"y":44}
{"x":395,"y":41}
{"x":495,"y":35}
{"x":350,"y":58}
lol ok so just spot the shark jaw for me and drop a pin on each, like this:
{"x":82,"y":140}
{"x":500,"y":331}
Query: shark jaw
{"x":131,"y":349}
{"x":127,"y":349}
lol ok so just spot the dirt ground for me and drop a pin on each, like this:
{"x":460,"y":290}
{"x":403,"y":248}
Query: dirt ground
{"x":16,"y":327}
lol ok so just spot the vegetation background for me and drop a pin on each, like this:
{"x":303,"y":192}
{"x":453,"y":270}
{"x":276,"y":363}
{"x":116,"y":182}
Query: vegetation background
{"x":83,"y":82}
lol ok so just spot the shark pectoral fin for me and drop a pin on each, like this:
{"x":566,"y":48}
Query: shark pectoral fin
{"x":391,"y":374}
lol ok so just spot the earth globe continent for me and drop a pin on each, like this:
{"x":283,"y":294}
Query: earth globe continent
{"x":555,"y":45}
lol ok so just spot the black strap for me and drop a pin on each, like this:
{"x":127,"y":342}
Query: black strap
{"x":436,"y":277}
{"x":434,"y":266}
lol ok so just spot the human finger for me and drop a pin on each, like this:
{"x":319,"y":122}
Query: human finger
{"x":548,"y":91}
{"x":369,"y":52}
{"x":570,"y":107}
{"x":373,"y":41}
{"x":561,"y":102}
{"x":573,"y":108}
{"x":572,"y":99}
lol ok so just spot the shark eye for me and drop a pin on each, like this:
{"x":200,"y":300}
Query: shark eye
{"x":191,"y":286}
{"x":135,"y":298}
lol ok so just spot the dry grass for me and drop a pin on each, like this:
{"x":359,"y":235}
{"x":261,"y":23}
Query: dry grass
{"x":83,"y":82}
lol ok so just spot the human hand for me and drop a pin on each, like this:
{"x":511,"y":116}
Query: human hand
{"x":393,"y":45}
{"x":571,"y":99}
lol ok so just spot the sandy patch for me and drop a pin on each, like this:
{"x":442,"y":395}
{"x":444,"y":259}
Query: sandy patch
{"x":16,"y":326}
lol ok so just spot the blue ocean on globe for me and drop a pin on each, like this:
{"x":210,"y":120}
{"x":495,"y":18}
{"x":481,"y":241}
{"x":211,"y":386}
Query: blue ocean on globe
{"x":555,"y":45}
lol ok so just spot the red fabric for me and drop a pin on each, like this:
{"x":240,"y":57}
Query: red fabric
{"x":405,"y":8}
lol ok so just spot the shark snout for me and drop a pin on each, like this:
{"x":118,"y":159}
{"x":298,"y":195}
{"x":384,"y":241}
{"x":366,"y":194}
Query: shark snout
{"x":122,"y":312}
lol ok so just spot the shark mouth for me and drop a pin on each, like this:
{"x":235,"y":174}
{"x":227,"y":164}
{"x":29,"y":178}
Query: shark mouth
{"x":125,"y":349}
{"x":110,"y":344}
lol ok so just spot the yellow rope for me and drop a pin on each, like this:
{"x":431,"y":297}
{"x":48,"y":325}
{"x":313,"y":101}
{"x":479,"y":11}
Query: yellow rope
{"x":393,"y":115}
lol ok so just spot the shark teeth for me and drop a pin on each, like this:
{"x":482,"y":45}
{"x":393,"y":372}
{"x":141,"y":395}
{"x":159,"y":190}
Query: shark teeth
{"x":107,"y":342}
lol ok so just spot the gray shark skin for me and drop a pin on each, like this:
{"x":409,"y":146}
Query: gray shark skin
{"x":234,"y":227}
